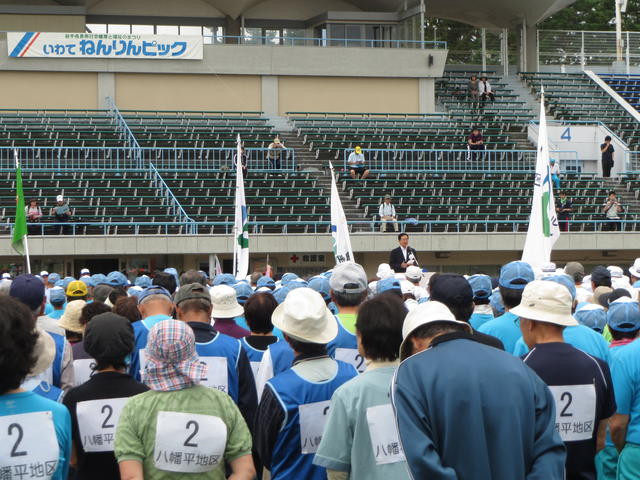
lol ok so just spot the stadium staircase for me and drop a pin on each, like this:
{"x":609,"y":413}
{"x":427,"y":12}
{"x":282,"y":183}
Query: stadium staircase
{"x":627,"y":86}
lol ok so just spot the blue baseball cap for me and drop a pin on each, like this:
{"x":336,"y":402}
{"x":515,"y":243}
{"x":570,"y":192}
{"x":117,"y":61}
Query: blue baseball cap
{"x":224,"y":279}
{"x":516,"y":275}
{"x":57,"y":296}
{"x":592,"y":316}
{"x":321,"y":285}
{"x":135,"y":291}
{"x":266,"y":282}
{"x":388,"y":284}
{"x":99,"y":278}
{"x":28,"y":289}
{"x":624,"y":315}
{"x":172,"y":271}
{"x":53,"y":278}
{"x":88,"y":281}
{"x":496,"y":302}
{"x":153,"y":290}
{"x":481,"y":286}
{"x":565,"y":280}
{"x":116,"y":279}
{"x":143,"y":281}
{"x":280,"y":294}
{"x":288,"y":277}
{"x":243,"y":292}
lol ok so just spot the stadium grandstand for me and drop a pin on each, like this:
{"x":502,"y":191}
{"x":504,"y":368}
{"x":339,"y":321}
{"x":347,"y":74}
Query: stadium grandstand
{"x":130,"y":111}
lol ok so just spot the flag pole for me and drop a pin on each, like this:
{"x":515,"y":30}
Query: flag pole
{"x":25,"y":242}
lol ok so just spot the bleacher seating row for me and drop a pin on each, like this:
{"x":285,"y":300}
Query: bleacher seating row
{"x":627,"y":86}
{"x":576,"y":97}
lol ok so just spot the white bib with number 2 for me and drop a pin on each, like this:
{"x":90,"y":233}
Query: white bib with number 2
{"x":313,"y":417}
{"x":189,"y":442}
{"x":351,"y":356}
{"x":217,"y":375}
{"x":97,"y":421}
{"x":575,"y":411}
{"x":29,"y":446}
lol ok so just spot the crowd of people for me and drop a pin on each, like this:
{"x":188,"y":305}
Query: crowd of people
{"x":534,"y":373}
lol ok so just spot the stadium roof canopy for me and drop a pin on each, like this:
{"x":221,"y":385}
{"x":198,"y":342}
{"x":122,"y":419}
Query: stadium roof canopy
{"x":481,"y":13}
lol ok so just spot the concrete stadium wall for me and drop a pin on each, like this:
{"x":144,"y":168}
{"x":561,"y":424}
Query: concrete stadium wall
{"x":48,"y":90}
{"x":337,"y":94}
{"x":187,"y":92}
{"x":42,"y":23}
{"x":464,"y":253}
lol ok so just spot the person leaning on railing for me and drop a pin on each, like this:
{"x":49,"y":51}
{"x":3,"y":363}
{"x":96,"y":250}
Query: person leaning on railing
{"x":275,"y":153}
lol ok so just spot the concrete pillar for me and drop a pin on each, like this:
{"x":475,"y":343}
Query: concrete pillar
{"x":531,"y":41}
{"x":232,"y":28}
{"x":426,"y":95}
{"x":106,"y":88}
{"x":270,"y":103}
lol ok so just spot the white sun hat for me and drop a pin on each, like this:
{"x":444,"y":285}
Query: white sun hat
{"x":304,"y":316}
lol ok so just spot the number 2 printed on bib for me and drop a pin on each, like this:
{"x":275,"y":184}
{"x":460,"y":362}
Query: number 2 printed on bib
{"x":575,"y":411}
{"x":97,"y":421}
{"x":351,"y":356}
{"x":28,"y":446}
{"x":189,"y":442}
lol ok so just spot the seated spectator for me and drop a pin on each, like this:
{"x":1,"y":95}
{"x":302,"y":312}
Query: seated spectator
{"x":108,"y":340}
{"x":276,"y":150}
{"x":243,"y":162}
{"x":387,"y":214}
{"x":38,"y":428}
{"x":356,"y":164}
{"x":612,"y":210}
{"x":485,"y":90}
{"x":34,"y":214}
{"x":555,"y":173}
{"x":361,"y":416}
{"x":225,"y":309}
{"x":163,"y":420}
{"x":564,"y":208}
{"x":290,"y":418}
{"x":474,"y":89}
{"x":475,"y":142}
{"x":62,"y":214}
{"x":127,"y":307}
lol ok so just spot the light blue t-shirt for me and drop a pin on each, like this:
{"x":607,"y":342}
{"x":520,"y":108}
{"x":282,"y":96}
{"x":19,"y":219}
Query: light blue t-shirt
{"x":580,"y":337}
{"x":347,"y":445}
{"x":56,"y":314}
{"x":625,"y":373}
{"x":479,"y":319}
{"x":29,"y":402}
{"x":506,"y":328}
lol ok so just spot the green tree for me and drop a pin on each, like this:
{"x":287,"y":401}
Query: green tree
{"x":593,"y":15}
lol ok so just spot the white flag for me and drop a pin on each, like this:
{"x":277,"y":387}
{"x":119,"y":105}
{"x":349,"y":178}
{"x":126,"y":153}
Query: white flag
{"x":241,"y":225}
{"x":217,"y":266}
{"x":543,"y":224}
{"x":339,"y":229}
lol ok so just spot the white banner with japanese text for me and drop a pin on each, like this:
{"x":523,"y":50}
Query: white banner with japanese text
{"x":103,"y":45}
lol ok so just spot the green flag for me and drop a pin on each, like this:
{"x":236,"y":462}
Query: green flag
{"x":20,"y":225}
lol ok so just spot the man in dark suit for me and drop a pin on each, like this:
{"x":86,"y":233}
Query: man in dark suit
{"x":404,"y":256}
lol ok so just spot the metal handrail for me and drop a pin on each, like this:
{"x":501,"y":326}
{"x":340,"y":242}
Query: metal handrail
{"x":177,"y":208}
{"x":455,"y":160}
{"x":323,"y":42}
{"x":122,"y":123}
{"x":370,"y":226}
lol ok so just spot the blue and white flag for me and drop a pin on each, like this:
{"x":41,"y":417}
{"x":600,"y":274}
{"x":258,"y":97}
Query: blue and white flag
{"x":241,"y":225}
{"x":543,"y":224}
{"x":339,"y":228}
